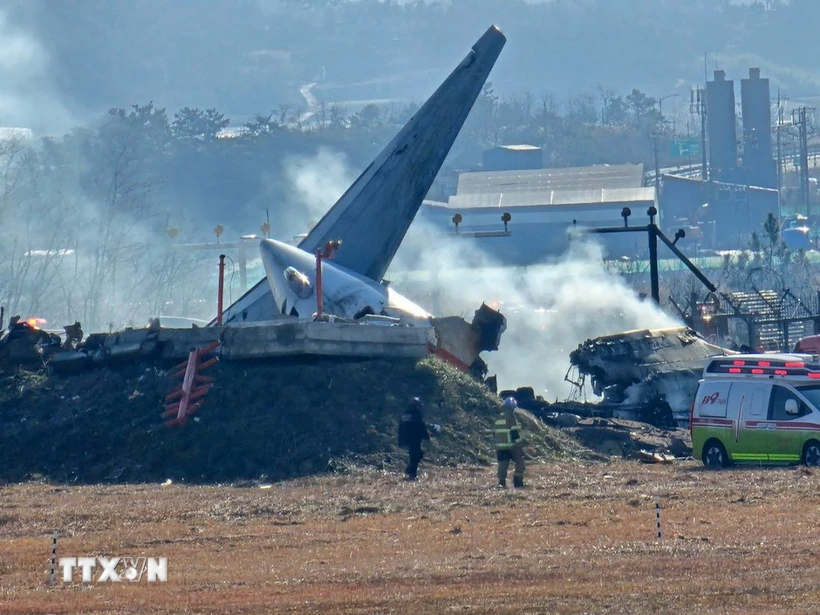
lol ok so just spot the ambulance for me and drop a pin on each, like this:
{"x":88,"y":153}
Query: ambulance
{"x":760,"y":408}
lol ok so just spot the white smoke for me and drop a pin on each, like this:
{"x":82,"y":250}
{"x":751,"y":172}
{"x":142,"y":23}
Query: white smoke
{"x":316,"y":183}
{"x":28,"y":98}
{"x":550,"y":308}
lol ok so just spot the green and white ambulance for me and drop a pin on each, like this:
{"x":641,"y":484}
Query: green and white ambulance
{"x":762,"y":408}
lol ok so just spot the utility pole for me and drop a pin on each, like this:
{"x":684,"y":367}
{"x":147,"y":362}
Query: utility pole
{"x":662,"y":130}
{"x":688,"y":149}
{"x":697,"y":104}
{"x":802,"y":131}
{"x":779,"y":157}
{"x":657,"y":166}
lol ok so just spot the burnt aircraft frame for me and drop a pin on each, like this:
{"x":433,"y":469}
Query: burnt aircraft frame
{"x":653,"y":233}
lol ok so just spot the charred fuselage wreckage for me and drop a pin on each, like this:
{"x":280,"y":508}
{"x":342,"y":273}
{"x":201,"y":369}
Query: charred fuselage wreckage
{"x":647,"y":375}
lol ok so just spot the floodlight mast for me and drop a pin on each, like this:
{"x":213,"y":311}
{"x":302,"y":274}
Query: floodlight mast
{"x":653,"y":234}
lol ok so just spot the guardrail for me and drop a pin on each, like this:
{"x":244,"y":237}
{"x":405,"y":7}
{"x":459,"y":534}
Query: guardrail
{"x":789,"y":162}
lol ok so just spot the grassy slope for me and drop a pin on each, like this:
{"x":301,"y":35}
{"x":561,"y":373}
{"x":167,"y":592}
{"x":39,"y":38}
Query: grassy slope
{"x":273,"y":420}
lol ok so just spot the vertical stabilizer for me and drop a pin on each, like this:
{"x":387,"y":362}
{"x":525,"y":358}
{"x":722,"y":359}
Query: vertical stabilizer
{"x":373,"y":215}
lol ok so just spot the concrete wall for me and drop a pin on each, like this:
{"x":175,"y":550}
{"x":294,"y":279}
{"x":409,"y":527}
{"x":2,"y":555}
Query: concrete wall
{"x":277,"y":339}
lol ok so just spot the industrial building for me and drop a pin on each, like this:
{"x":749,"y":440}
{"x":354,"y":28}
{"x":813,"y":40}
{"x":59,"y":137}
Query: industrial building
{"x":715,"y":214}
{"x":740,"y":188}
{"x":513,"y":157}
{"x":543,"y":206}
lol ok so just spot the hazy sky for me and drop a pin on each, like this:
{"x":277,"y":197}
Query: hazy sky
{"x":66,"y":62}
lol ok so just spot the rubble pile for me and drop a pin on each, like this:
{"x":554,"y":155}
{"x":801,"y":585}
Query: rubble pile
{"x":649,"y":375}
{"x":593,"y":426}
{"x":274,"y":419}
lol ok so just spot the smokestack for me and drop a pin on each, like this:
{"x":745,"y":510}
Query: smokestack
{"x":759,"y":168}
{"x":720,"y":113}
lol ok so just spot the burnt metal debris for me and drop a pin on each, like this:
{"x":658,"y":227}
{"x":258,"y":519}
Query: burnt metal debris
{"x":649,"y":375}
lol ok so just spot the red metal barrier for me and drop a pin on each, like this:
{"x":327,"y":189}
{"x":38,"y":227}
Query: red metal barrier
{"x":328,"y":252}
{"x":187,"y":394}
{"x":221,"y":292}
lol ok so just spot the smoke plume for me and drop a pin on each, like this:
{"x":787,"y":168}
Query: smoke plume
{"x":316,"y":183}
{"x":28,"y":99}
{"x":550,"y":308}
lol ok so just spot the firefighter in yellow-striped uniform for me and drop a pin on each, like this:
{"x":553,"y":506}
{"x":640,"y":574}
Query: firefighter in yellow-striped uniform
{"x":509,"y":445}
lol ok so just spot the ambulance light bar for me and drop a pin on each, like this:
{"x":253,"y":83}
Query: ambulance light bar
{"x":763,"y":368}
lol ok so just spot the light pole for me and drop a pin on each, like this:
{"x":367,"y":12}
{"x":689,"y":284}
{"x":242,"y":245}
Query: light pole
{"x":655,"y":140}
{"x":654,"y":233}
{"x":660,"y":104}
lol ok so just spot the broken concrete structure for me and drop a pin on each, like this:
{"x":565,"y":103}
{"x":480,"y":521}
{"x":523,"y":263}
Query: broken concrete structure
{"x":648,"y":375}
{"x":370,"y":337}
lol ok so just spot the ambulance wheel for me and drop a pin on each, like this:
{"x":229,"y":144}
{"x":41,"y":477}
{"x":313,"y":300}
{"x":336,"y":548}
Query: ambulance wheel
{"x":811,"y":453}
{"x":714,"y":455}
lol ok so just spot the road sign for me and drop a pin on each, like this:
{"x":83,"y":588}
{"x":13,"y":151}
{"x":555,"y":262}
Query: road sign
{"x":684,"y":148}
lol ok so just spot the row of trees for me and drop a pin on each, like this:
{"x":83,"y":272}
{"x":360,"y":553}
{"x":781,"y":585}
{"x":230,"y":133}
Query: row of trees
{"x":90,"y":219}
{"x":83,"y":234}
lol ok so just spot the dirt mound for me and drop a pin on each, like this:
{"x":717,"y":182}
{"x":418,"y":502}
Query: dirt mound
{"x":269,"y":420}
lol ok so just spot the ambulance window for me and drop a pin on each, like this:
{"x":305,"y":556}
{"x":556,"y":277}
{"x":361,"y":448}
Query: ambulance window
{"x":777,"y":405}
{"x":812,"y":393}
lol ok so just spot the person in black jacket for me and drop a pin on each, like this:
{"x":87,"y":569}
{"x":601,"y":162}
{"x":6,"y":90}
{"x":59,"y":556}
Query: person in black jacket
{"x":412,"y":431}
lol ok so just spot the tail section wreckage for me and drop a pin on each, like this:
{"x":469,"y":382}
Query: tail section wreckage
{"x":370,"y":221}
{"x":372,"y":217}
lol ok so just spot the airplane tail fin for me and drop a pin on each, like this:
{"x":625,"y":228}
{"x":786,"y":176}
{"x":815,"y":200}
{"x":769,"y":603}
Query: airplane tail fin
{"x":373,"y":215}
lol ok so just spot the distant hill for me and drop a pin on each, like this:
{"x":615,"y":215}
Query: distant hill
{"x":248,"y":56}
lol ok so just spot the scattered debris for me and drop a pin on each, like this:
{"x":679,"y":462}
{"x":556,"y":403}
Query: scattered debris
{"x":24,"y":343}
{"x":607,"y":435}
{"x":649,"y":375}
{"x":650,"y":457}
{"x":73,"y":336}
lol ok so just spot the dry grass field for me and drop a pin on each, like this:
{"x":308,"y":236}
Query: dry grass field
{"x":580,"y":539}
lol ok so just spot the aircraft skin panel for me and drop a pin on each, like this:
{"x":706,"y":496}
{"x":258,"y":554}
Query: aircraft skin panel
{"x":372,"y":217}
{"x":292,"y":280}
